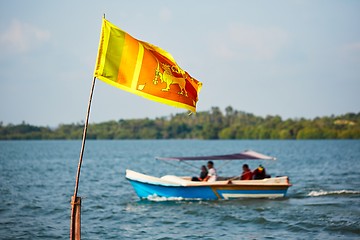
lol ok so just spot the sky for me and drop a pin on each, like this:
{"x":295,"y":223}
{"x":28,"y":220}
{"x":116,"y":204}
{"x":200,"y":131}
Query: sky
{"x":289,"y":58}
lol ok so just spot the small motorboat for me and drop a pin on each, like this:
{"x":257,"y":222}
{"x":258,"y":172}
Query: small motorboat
{"x":183,"y":188}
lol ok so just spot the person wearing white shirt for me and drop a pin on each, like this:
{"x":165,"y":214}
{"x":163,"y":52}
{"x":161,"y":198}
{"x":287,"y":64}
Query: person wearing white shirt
{"x":211,"y":177}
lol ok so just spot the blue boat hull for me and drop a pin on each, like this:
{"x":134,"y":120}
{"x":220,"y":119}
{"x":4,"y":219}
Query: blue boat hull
{"x":148,"y":190}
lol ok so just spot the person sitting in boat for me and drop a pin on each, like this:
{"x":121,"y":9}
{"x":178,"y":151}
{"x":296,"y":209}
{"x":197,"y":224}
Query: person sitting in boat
{"x":203,"y":174}
{"x":212,"y":176}
{"x":259,"y":173}
{"x":246,"y":174}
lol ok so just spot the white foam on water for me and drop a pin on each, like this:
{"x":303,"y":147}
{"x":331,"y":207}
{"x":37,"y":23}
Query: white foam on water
{"x":325,"y":193}
{"x":157,"y":198}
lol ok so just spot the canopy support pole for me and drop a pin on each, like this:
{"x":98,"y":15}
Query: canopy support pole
{"x":75,"y":217}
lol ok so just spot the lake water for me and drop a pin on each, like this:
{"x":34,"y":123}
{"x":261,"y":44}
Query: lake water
{"x":37,"y":180}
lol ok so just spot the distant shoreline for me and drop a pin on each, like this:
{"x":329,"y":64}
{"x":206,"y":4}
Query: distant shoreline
{"x":213,"y":124}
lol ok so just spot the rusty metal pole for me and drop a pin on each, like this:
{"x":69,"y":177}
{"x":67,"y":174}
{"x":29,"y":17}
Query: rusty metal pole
{"x":75,"y":217}
{"x":76,"y":228}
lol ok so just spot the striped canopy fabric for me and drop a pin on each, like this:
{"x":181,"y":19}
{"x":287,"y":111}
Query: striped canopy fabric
{"x":245,"y":155}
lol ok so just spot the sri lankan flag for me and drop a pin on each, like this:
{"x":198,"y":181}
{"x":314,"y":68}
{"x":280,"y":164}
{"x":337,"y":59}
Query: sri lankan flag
{"x":143,"y":69}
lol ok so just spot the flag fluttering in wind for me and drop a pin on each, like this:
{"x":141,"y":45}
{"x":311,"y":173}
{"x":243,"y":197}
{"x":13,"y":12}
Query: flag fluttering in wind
{"x":143,"y":69}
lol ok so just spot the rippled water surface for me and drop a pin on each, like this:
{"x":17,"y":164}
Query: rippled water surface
{"x":37,"y":180}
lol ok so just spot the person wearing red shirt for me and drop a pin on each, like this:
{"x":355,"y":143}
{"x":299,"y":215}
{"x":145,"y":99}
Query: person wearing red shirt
{"x":246,"y":174}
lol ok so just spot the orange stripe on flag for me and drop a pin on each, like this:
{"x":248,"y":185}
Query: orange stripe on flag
{"x":128,"y":61}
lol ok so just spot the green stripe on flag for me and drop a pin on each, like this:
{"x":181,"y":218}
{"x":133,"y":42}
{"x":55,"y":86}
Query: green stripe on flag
{"x":114,"y":54}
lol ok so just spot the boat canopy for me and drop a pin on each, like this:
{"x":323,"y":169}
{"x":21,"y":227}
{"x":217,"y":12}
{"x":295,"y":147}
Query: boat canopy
{"x":245,"y":155}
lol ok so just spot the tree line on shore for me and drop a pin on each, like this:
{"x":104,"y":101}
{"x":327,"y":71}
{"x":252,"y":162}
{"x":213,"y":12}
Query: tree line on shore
{"x":212,"y":124}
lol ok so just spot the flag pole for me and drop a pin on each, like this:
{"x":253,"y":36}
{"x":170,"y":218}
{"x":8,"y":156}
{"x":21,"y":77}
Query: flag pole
{"x":75,"y":218}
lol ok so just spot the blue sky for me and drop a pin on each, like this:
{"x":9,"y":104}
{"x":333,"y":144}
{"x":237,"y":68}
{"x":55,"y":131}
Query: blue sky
{"x":289,"y":58}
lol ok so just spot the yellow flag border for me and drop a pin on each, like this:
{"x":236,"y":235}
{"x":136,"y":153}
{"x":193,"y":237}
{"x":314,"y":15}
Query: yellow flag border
{"x":100,"y":58}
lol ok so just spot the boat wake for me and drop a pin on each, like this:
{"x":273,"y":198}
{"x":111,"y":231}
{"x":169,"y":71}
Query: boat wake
{"x":327,"y":193}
